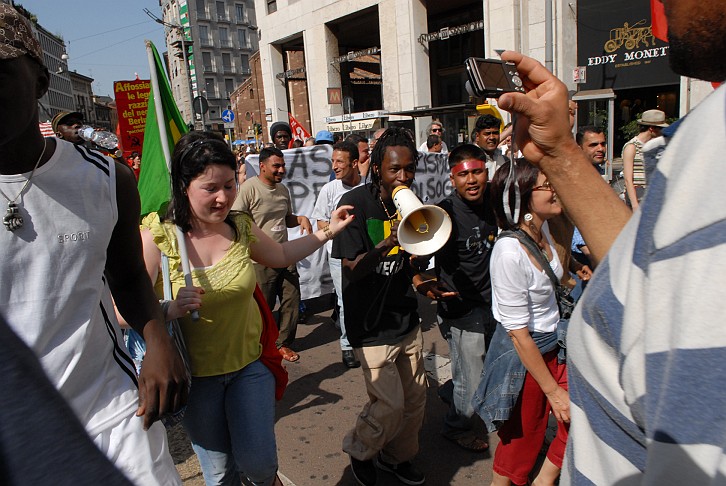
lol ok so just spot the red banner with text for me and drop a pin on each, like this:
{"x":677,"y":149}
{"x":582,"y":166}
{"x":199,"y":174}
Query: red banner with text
{"x":132,"y":98}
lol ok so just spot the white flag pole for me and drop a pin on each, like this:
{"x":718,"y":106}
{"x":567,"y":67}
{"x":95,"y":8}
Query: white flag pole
{"x":184,"y":255}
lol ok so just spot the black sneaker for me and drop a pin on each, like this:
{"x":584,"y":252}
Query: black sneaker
{"x":349,"y":359}
{"x":364,"y":471}
{"x":406,"y":472}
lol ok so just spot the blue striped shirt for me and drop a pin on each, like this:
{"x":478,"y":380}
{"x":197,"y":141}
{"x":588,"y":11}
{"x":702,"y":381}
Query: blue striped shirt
{"x":647,"y":346}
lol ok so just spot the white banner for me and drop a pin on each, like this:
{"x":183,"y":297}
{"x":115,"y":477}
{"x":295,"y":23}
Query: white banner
{"x":309,"y":169}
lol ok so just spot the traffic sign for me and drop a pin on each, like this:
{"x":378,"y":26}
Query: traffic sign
{"x":201,"y":105}
{"x":228,"y":116}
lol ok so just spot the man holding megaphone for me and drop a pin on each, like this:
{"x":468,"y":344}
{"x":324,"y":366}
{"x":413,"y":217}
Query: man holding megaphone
{"x":381,"y":317}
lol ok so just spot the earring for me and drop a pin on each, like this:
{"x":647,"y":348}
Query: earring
{"x":528,"y":217}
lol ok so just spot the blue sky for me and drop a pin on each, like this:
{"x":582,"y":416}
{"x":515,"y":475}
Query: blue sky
{"x":104,"y":38}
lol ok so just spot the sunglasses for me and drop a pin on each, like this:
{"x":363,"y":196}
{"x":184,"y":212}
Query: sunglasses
{"x":436,"y":130}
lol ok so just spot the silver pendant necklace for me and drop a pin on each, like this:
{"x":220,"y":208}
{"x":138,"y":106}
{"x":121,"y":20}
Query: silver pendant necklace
{"x":12,"y":219}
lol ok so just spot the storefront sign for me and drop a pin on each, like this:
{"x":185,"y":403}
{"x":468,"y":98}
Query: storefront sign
{"x":352,"y":126}
{"x":617,"y":48}
{"x":447,"y":32}
{"x":335,"y":96}
{"x":363,"y":115}
{"x":290,"y":73}
{"x":355,"y":55}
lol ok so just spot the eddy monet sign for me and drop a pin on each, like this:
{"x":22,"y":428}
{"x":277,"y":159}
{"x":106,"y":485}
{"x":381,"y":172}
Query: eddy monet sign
{"x":615,"y":44}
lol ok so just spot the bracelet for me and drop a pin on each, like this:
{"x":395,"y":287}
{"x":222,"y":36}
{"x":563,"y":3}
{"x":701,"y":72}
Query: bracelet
{"x":328,"y":233}
{"x":165,"y":308}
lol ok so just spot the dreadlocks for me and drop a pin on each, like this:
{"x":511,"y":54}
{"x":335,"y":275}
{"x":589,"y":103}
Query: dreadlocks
{"x":392,"y":137}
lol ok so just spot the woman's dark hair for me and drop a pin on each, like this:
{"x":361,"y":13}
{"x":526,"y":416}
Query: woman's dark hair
{"x":193,"y":153}
{"x":526,"y":175}
{"x":392,"y":137}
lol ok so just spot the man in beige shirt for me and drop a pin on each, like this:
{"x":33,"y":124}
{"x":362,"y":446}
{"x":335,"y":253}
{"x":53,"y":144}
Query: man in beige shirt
{"x":268,"y":202}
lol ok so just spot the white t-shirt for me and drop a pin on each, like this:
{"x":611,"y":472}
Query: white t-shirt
{"x":424,"y":148}
{"x":327,"y":201}
{"x":522,"y":294}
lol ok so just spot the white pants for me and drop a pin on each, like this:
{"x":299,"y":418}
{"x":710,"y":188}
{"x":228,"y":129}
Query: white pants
{"x":142,"y":455}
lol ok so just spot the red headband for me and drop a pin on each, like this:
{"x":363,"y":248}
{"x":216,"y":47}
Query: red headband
{"x":467,"y":165}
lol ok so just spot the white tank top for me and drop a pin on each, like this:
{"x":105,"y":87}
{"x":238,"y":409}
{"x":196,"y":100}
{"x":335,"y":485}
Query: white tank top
{"x":52,"y":286}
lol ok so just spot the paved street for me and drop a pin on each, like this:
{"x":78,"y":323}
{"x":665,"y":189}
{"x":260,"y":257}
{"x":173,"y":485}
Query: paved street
{"x":322,"y":402}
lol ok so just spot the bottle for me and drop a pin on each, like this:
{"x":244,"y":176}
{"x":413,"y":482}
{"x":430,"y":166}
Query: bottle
{"x":101,"y":138}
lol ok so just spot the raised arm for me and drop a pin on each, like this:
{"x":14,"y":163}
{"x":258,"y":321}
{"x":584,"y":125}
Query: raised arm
{"x":543,"y":135}
{"x":279,"y":255}
{"x":162,"y":383}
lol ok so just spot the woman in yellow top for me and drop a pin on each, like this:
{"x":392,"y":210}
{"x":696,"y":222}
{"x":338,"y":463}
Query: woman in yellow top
{"x":230,"y":413}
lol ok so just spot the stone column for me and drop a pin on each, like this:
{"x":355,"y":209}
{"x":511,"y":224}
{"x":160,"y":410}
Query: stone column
{"x":321,"y":46}
{"x":404,"y":62}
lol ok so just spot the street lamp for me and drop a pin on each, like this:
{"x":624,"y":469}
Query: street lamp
{"x":63,"y":66}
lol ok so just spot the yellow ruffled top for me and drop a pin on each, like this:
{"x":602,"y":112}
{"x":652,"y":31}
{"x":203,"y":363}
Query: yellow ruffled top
{"x":226,"y":338}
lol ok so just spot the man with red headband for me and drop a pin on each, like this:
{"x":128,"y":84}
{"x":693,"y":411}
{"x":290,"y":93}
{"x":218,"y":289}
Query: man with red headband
{"x":463,"y":290}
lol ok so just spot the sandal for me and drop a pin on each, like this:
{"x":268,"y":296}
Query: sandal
{"x":473,"y":444}
{"x":288,"y":354}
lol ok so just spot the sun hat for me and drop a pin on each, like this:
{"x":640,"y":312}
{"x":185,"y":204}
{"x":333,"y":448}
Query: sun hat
{"x":59,"y":117}
{"x":653,"y":118}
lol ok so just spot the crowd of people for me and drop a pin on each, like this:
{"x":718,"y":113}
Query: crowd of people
{"x":631,"y":374}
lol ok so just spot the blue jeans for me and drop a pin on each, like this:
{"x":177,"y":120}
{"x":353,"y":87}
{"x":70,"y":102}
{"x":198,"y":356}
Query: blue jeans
{"x":230,"y":420}
{"x":136,"y":346}
{"x":467,"y":350}
{"x":336,"y":273}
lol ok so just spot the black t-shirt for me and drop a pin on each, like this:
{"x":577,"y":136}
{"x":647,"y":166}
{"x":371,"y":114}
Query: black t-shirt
{"x":380,"y":308}
{"x":463,"y":263}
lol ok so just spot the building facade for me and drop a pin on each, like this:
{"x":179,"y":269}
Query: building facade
{"x":83,"y":96}
{"x":370,"y":62}
{"x":248,"y":105}
{"x":219,"y":37}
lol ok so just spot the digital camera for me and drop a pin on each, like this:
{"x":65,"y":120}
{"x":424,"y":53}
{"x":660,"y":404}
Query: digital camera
{"x":490,"y":78}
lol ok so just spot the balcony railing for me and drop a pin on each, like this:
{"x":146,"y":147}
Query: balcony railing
{"x":225,"y":43}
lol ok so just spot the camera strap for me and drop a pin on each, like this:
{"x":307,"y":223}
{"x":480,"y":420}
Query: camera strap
{"x":512,"y":216}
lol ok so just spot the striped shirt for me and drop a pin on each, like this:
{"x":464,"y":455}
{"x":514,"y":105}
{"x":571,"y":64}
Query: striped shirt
{"x":647,"y":345}
{"x":638,"y":164}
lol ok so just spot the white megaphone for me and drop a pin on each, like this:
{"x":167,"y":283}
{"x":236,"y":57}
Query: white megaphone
{"x":423,"y":229}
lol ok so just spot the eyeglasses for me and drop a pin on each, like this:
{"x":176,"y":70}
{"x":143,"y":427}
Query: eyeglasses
{"x":437,"y":130}
{"x":546,"y":186}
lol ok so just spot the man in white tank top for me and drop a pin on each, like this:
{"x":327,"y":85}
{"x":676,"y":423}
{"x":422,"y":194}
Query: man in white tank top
{"x":70,"y":236}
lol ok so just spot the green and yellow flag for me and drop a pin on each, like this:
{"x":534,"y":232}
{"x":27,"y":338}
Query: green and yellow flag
{"x":154,"y":187}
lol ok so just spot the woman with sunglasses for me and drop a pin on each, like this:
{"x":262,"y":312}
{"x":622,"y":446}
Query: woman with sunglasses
{"x":231,"y":409}
{"x":523,"y":379}
{"x":433,"y":128}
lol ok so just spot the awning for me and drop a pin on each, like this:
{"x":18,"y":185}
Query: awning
{"x":238,"y":142}
{"x":354,"y":125}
